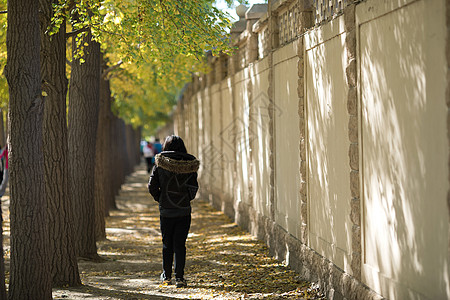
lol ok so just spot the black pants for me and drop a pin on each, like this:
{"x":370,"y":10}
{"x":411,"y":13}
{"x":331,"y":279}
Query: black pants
{"x":148,"y":160}
{"x":174,"y":234}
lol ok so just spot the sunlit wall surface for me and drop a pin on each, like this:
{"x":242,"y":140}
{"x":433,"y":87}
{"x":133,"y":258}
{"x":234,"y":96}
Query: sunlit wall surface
{"x":214,"y":150}
{"x":374,"y":205}
{"x":242,"y":137}
{"x":287,"y":140}
{"x":205,"y":129}
{"x":327,"y":138}
{"x":228,"y":142}
{"x":404,"y":148}
{"x":259,"y":118}
{"x":201,"y":122}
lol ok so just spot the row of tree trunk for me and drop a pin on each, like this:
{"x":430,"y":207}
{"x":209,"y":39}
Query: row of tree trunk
{"x":63,"y":178}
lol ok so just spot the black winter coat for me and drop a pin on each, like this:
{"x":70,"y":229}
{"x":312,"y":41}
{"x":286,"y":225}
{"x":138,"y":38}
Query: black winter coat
{"x":173,"y":183}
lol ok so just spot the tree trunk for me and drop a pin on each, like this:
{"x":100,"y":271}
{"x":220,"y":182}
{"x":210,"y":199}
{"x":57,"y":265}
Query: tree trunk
{"x":117,"y":157}
{"x":122,"y":154}
{"x":2,"y":130}
{"x":64,"y":267}
{"x":109,"y":170}
{"x":129,"y":138}
{"x":29,"y":266}
{"x":3,"y":294}
{"x":102,"y":173}
{"x":83,"y":119}
{"x":113,"y":163}
{"x":138,"y":144}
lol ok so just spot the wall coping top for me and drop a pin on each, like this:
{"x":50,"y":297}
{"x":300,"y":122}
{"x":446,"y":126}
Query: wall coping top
{"x":280,"y":4}
{"x":256,"y":11}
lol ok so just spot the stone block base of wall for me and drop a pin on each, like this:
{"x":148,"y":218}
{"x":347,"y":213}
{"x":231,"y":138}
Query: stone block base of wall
{"x":333,"y":282}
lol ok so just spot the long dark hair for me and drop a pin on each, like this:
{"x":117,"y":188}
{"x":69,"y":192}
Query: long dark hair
{"x":174,"y":143}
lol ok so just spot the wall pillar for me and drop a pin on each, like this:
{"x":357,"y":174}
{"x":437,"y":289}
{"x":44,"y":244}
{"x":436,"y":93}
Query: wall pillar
{"x":353,"y":152}
{"x":273,"y":43}
{"x":447,"y":98}
{"x":305,"y":22}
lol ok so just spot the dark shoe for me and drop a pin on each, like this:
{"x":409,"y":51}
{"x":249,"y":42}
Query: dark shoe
{"x":180,"y":282}
{"x":165,"y":280}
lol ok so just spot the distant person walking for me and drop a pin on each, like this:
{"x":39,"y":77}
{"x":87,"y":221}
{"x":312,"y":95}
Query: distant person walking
{"x":173,"y":183}
{"x":149,"y":154}
{"x":157,"y":148}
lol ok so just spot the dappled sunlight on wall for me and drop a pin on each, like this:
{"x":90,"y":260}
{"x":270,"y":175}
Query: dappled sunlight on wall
{"x":242,"y":137}
{"x":227,"y":141}
{"x":405,"y":152}
{"x":287,"y":140}
{"x":333,"y":148}
{"x":328,"y":163}
{"x":259,"y":118}
{"x":216,"y":150}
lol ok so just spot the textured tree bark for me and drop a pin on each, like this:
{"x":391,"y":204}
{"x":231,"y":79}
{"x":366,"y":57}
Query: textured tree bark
{"x":113,"y":163}
{"x":2,"y":130}
{"x":138,"y":144}
{"x":29,"y":266}
{"x":102,"y":173}
{"x":118,"y":156}
{"x":64,"y":266}
{"x":109,"y":169}
{"x":3,"y":295}
{"x":122,"y":154}
{"x":84,"y":97}
{"x":129,"y":138}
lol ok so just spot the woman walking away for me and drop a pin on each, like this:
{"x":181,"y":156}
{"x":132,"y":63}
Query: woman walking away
{"x":173,"y":183}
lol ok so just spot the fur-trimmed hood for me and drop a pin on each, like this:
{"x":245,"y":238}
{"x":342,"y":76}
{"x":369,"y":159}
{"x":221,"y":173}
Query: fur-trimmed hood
{"x":177,"y":162}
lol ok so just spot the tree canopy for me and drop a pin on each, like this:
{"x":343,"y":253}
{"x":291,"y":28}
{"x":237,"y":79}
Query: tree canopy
{"x":152,"y":48}
{"x":161,"y":44}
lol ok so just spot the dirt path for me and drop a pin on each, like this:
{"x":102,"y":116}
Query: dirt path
{"x":223,"y":262}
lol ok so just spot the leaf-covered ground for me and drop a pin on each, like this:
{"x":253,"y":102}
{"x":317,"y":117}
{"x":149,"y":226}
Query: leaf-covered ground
{"x":223,"y":261}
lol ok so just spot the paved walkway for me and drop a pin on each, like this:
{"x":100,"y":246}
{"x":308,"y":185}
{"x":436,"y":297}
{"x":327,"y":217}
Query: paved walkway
{"x":223,"y":261}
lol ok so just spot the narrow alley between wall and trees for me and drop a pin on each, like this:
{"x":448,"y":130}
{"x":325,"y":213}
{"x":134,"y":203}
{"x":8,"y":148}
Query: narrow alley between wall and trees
{"x":223,"y":261}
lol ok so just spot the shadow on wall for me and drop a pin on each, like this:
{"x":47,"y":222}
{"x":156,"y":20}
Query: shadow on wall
{"x":329,"y":195}
{"x":405,"y":153}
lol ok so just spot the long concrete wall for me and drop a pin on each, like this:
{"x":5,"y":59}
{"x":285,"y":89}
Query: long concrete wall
{"x":326,"y":135}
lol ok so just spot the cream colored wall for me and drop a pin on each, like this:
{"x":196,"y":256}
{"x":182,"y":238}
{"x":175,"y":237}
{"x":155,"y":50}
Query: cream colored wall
{"x":215,"y":149}
{"x":404,"y":148}
{"x":189,"y":125}
{"x":327,"y":144}
{"x":192,"y":135}
{"x":259,"y":119}
{"x":241,"y":123}
{"x":287,"y":139}
{"x":205,"y":134}
{"x":402,"y":138}
{"x":200,"y":123}
{"x":185,"y":122}
{"x":227,"y":136}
